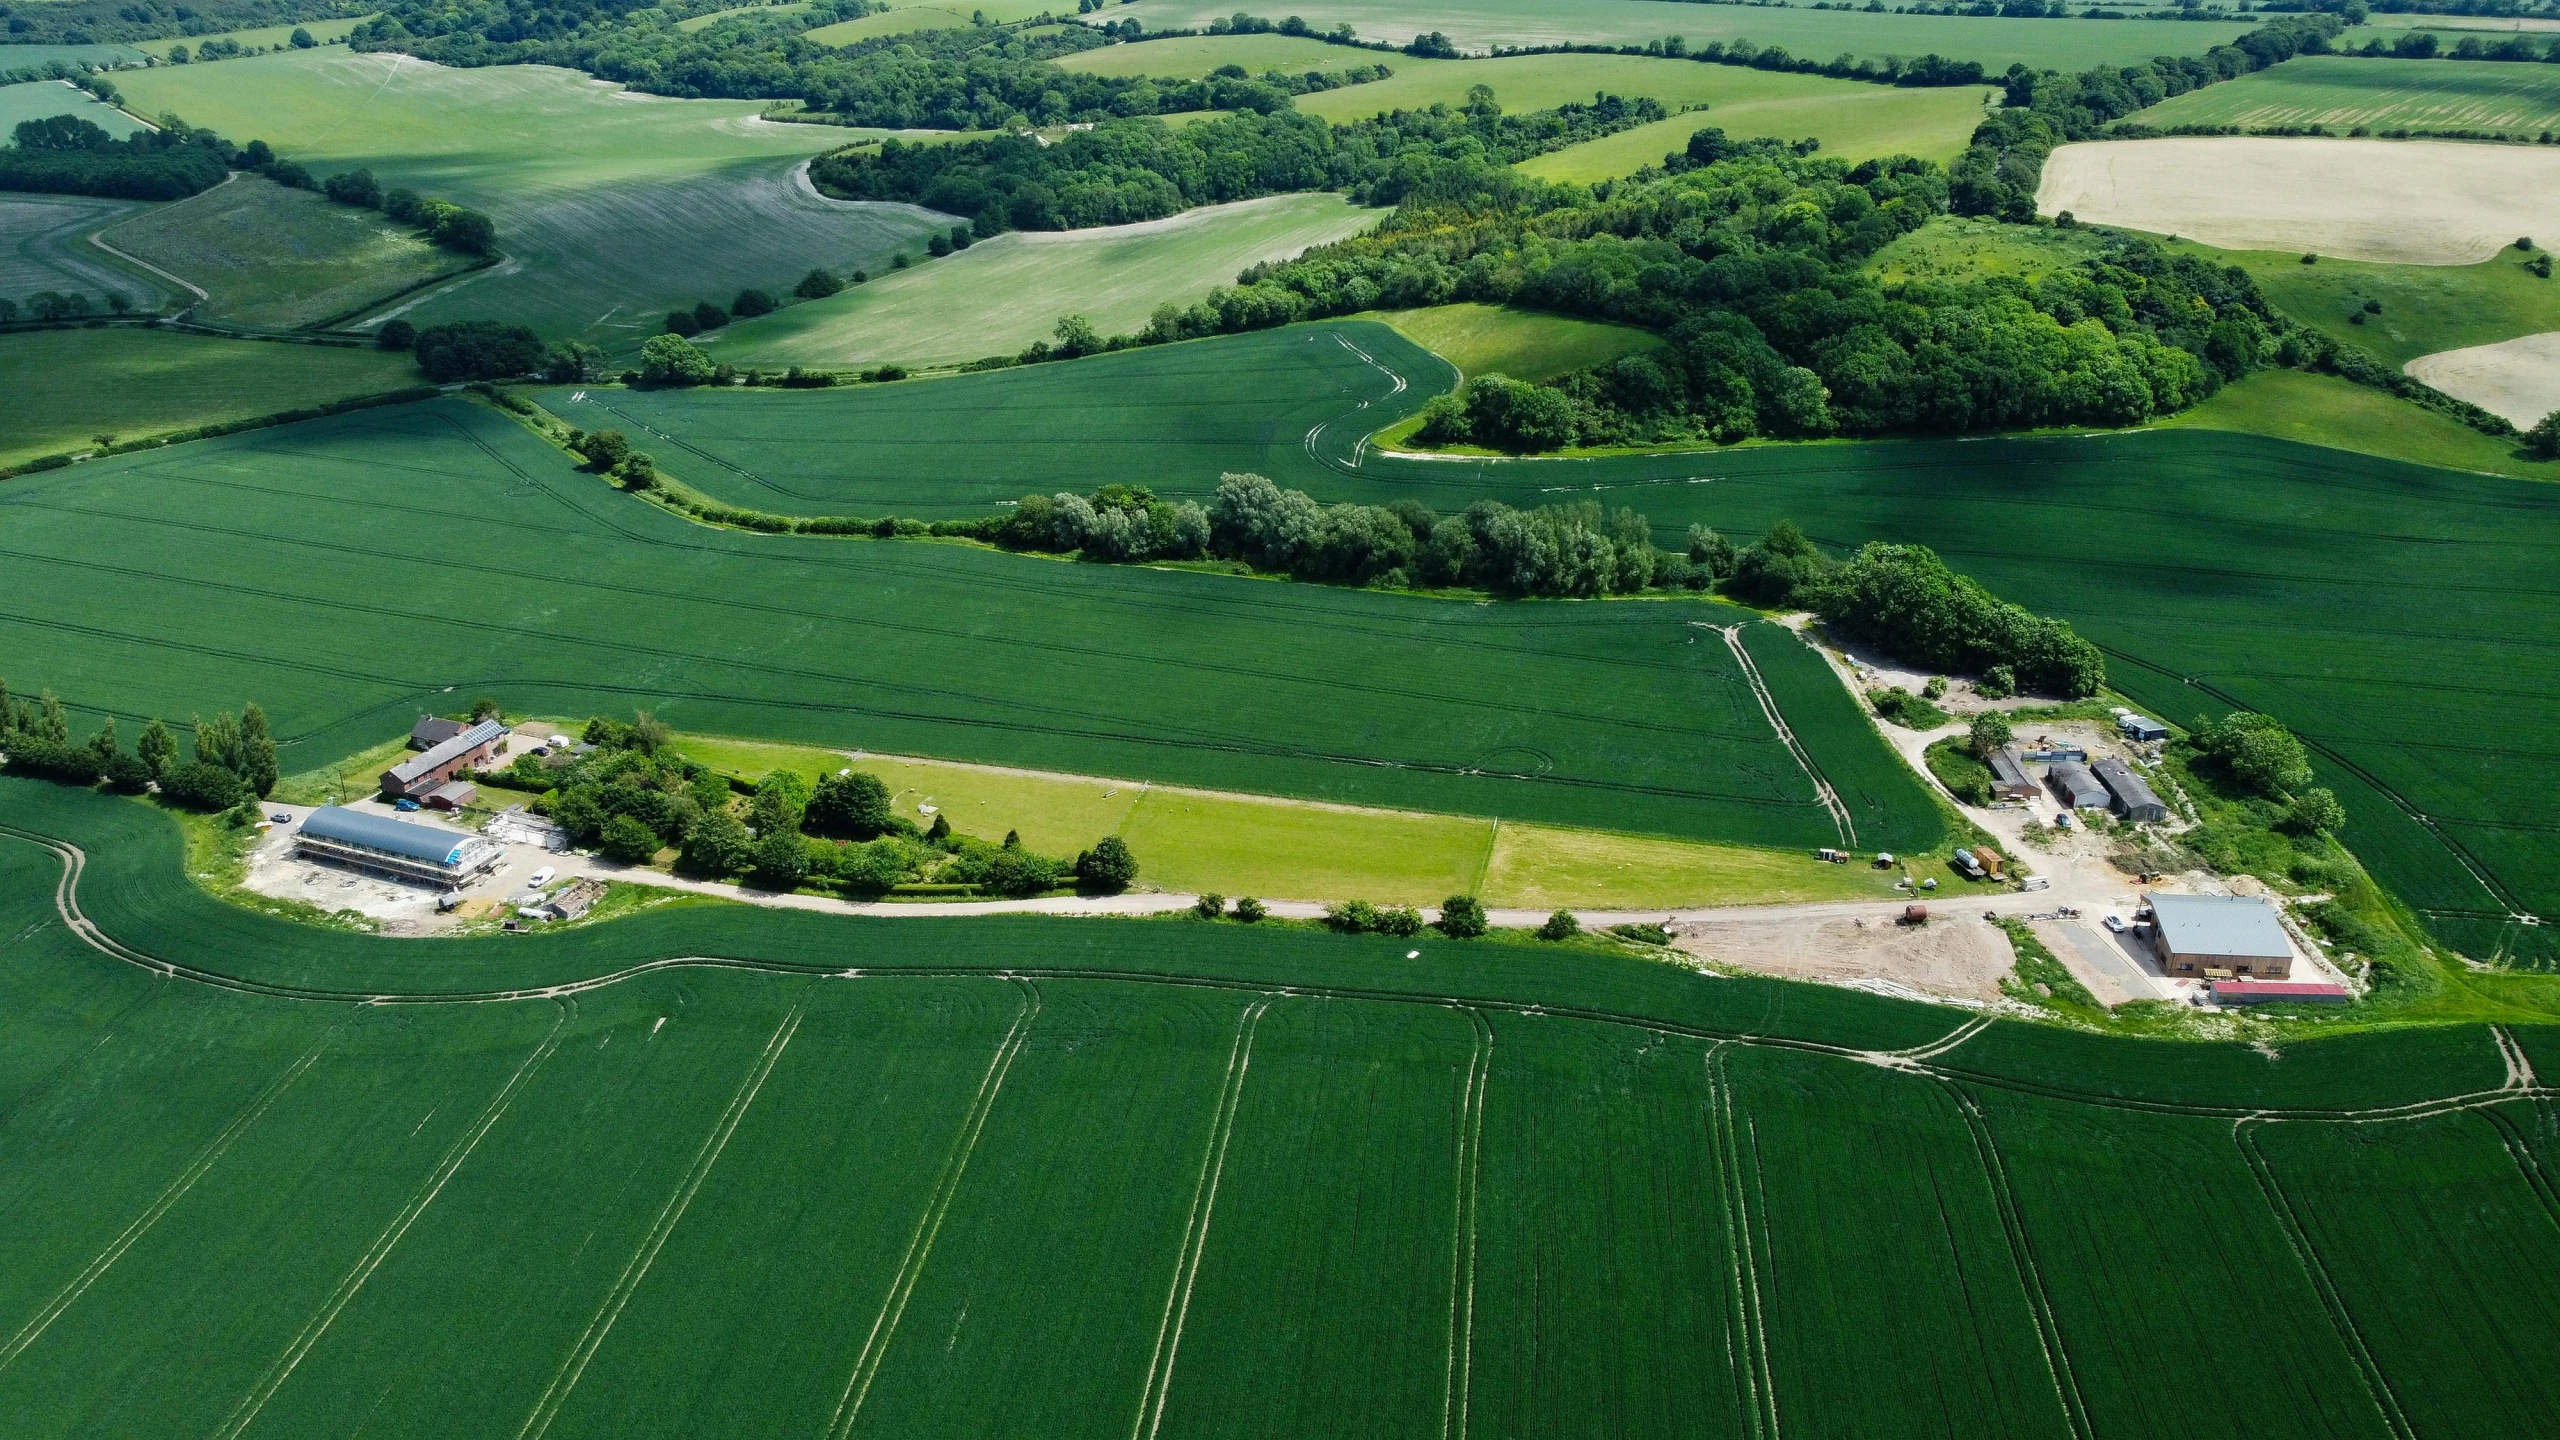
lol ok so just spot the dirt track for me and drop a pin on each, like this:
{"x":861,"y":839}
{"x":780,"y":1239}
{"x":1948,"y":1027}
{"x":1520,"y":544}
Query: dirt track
{"x":2408,"y":202}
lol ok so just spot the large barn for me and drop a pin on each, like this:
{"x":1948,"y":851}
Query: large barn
{"x":2220,"y":936}
{"x":394,"y":848}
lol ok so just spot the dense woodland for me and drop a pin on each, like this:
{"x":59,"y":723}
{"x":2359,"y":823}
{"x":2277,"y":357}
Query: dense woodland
{"x":66,"y":155}
{"x":1137,"y":169}
{"x":117,"y":22}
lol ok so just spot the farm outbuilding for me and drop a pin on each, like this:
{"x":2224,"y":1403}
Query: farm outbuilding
{"x":433,"y":730}
{"x":2132,"y":794}
{"x":2074,"y":787}
{"x":394,"y":848}
{"x":2141,"y":728}
{"x":2234,"y":935}
{"x":2009,"y":777}
{"x":2274,"y":992}
{"x":416,"y":779}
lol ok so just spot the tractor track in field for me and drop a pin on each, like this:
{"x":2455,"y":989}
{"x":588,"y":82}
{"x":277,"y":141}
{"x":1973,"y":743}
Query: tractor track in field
{"x":2315,"y":1268}
{"x":350,"y":1284}
{"x":955,"y":1164}
{"x":1746,"y":1324}
{"x":1195,"y":1233}
{"x":2030,"y":1272}
{"x":1468,"y":1160}
{"x":573,"y":1367}
{"x":74,"y":862}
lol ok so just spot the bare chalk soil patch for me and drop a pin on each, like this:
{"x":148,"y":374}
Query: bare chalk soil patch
{"x":2398,"y":201}
{"x":2517,"y":378}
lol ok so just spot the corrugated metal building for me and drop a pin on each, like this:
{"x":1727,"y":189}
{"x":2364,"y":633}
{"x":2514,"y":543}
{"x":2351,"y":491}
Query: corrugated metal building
{"x":2234,"y":934}
{"x":394,"y":848}
{"x":418,"y":777}
{"x":2133,"y":797}
{"x":2074,"y":787}
{"x":2009,"y":777}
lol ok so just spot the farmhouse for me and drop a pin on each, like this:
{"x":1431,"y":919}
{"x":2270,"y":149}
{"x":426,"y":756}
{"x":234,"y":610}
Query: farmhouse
{"x":2219,"y":936}
{"x":2074,"y":787}
{"x":417,"y":778}
{"x":2133,"y":797}
{"x":394,"y":848}
{"x":2009,"y":777}
{"x":433,"y":730}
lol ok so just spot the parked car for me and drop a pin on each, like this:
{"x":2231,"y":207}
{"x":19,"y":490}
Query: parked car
{"x":404,"y":804}
{"x":2114,"y":923}
{"x":542,"y":877}
{"x":282,"y":817}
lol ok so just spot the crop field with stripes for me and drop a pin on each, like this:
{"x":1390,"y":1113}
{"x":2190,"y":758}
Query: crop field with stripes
{"x":346,"y":573}
{"x":721,"y":1170}
{"x":2397,"y":616}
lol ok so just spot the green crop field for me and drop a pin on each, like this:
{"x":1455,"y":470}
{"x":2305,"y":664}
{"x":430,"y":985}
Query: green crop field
{"x":1524,"y":344}
{"x":1479,"y":24}
{"x":612,"y":207}
{"x":1852,"y":120}
{"x":167,"y":382}
{"x":269,"y":257}
{"x":1068,"y":1178}
{"x":2341,"y":92}
{"x":1000,"y":295}
{"x":2420,"y":694}
{"x":41,"y":99}
{"x":704,"y":22}
{"x":906,"y":19}
{"x":47,"y":248}
{"x":270,"y":581}
{"x":36,"y":57}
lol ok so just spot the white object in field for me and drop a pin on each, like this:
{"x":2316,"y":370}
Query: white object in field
{"x":844,"y":772}
{"x":924,"y":810}
{"x":1413,"y":954}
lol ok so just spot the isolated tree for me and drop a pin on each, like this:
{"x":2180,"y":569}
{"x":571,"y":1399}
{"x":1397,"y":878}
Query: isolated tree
{"x":1990,"y":730}
{"x":486,"y":707}
{"x":1109,"y":865}
{"x":673,"y":360}
{"x":301,"y":39}
{"x":751,"y":303}
{"x":1562,"y":925}
{"x":157,"y":749}
{"x":1462,"y":917}
{"x":605,"y":449}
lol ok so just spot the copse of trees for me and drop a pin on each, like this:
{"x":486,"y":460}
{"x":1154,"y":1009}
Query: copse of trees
{"x":66,"y":155}
{"x":477,"y":350}
{"x":1904,"y":599}
{"x":234,"y":755}
{"x":119,"y":22}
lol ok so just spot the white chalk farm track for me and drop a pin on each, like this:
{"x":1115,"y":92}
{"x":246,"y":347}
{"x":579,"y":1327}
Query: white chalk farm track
{"x":2407,"y":202}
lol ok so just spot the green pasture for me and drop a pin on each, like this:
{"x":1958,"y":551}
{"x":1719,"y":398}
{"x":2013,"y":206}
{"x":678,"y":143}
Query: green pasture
{"x":2325,"y":410}
{"x":612,"y":206}
{"x":2238,"y":571}
{"x":1000,"y":295}
{"x":1196,"y":840}
{"x":1853,"y":120}
{"x":2425,"y":308}
{"x":2342,"y":92}
{"x":949,"y":1176}
{"x":1476,"y":25}
{"x":66,"y":387}
{"x":705,"y":22}
{"x":556,"y":593}
{"x":270,"y":257}
{"x":265,"y":37}
{"x":44,"y":245}
{"x":43,"y":99}
{"x":1524,"y":344}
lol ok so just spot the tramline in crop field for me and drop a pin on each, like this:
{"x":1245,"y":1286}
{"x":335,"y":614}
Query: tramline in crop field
{"x":891,"y":1177}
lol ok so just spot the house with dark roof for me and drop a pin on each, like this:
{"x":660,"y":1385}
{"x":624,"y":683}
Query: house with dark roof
{"x":2009,"y":777}
{"x":433,"y":730}
{"x":2073,"y":786}
{"x":423,"y":775}
{"x":2132,"y":797}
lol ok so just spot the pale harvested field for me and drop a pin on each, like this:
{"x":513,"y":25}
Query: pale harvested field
{"x":2518,"y":378}
{"x":1962,"y":958}
{"x":2402,"y":202}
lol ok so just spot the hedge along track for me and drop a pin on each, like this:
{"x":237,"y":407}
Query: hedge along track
{"x":74,"y":860}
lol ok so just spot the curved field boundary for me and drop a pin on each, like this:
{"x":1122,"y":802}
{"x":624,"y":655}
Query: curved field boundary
{"x":74,"y":862}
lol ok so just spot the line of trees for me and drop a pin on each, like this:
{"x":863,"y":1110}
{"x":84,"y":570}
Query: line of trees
{"x":1576,"y":548}
{"x":66,"y":155}
{"x":233,"y":760}
{"x":121,"y":22}
{"x":455,"y":227}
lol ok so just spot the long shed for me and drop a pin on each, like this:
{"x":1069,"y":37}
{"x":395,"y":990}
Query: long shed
{"x":2132,"y":794}
{"x":2072,"y":785}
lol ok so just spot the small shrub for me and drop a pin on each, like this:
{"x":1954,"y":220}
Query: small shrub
{"x":1210,"y":906}
{"x":1399,"y":920}
{"x":1249,"y":909}
{"x":818,"y":284}
{"x":1462,"y":917}
{"x":751,"y":303}
{"x":1351,"y":917}
{"x":1107,"y":866}
{"x":1560,"y":926}
{"x":1642,"y":934}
